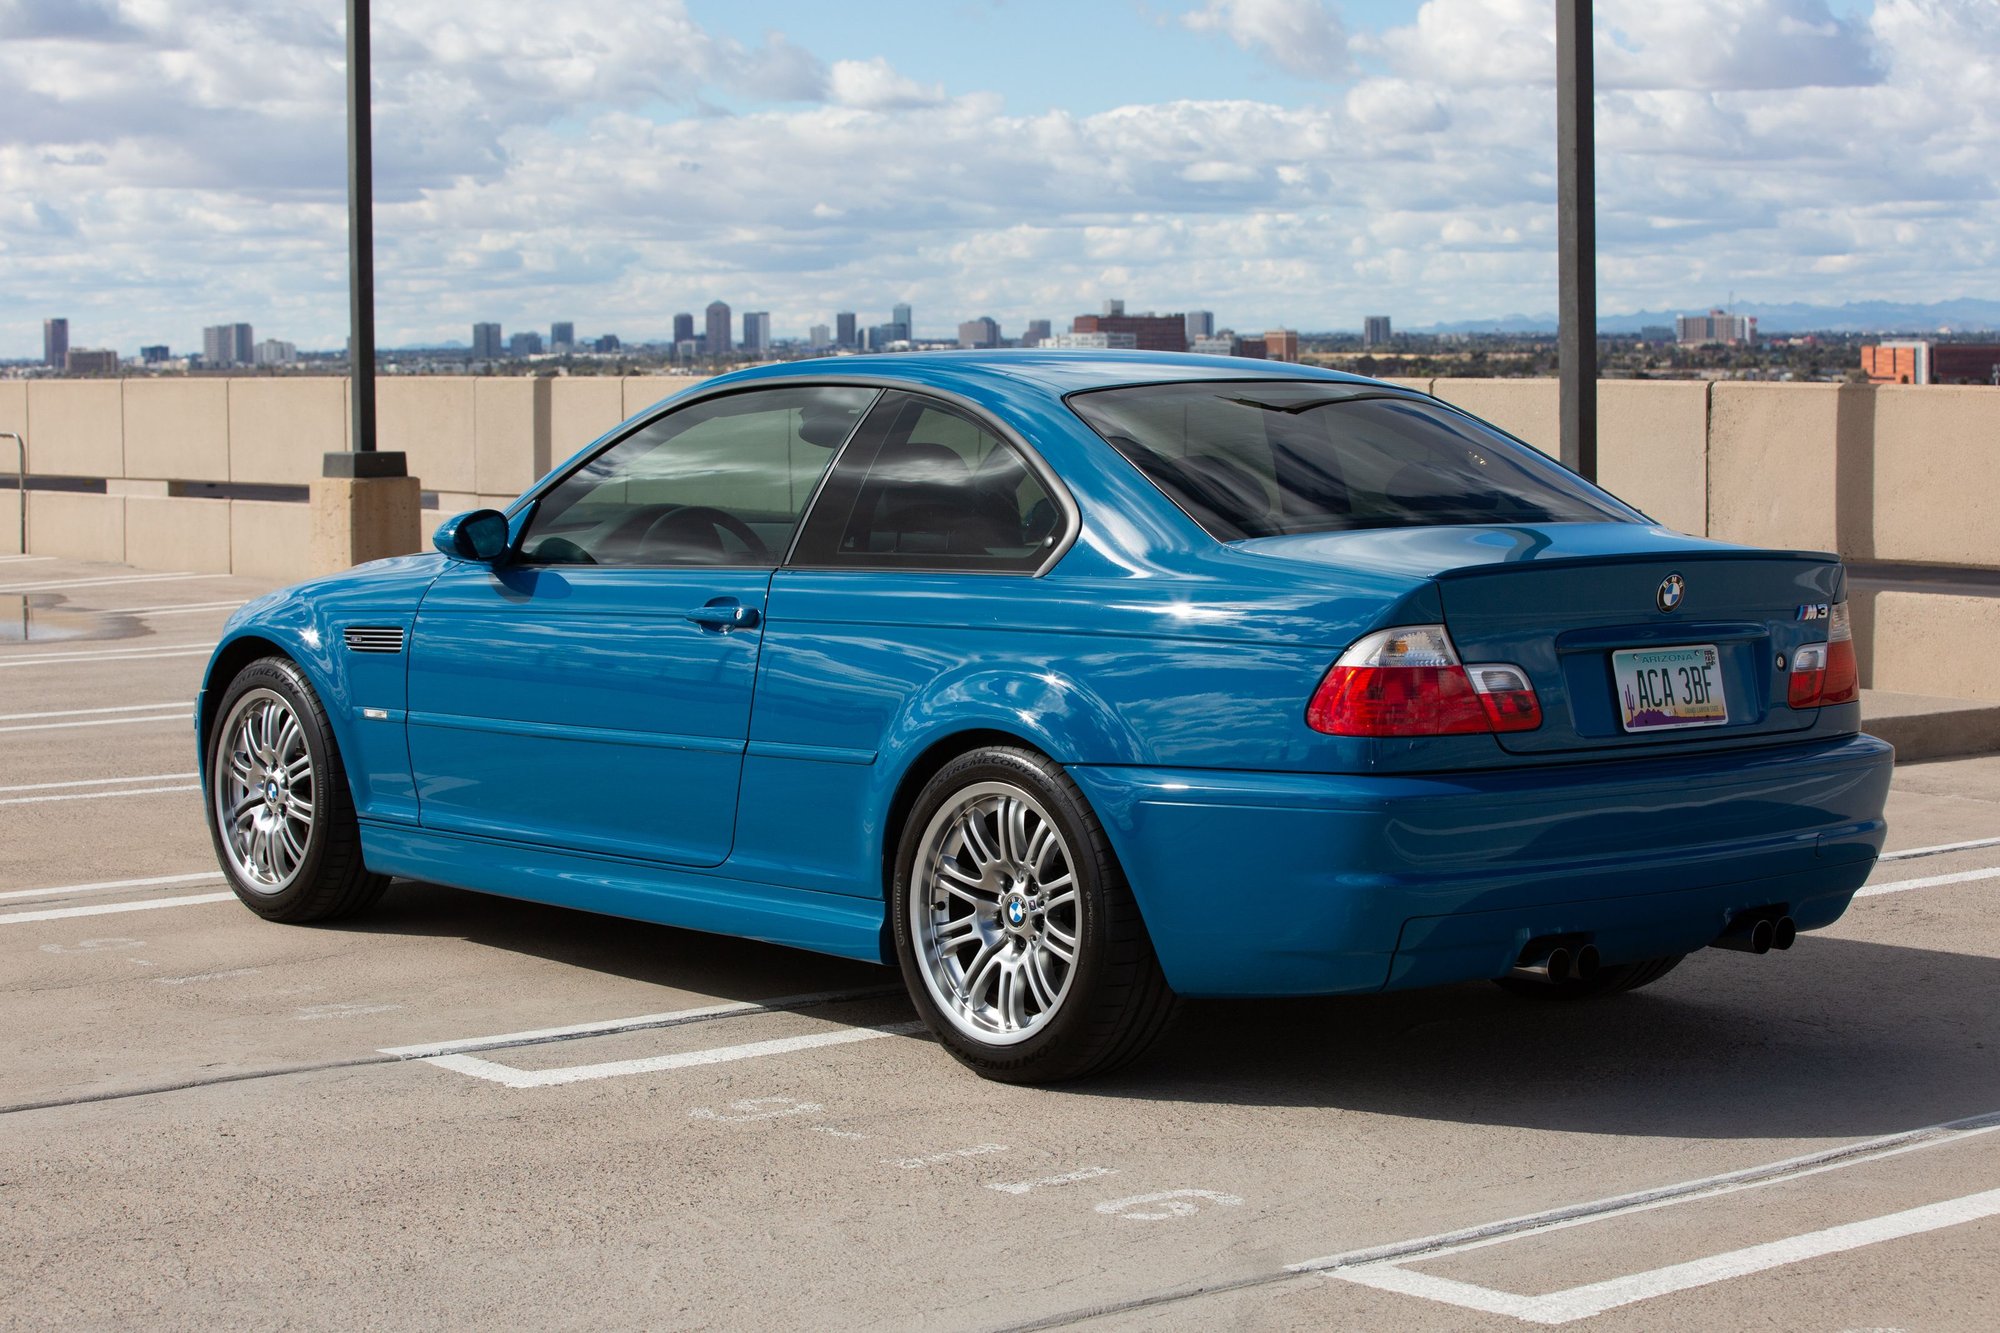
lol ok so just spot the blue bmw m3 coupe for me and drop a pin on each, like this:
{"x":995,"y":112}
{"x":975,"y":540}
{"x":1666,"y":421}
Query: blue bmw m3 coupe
{"x":1070,"y":684}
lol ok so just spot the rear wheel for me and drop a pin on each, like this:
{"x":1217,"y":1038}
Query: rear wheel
{"x":279,"y":810}
{"x":1611,"y":979}
{"x":1018,"y":937}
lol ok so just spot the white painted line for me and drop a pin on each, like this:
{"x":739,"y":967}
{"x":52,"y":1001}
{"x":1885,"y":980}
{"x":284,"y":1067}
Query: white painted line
{"x":23,"y":559}
{"x":1928,"y":882}
{"x":90,"y":712}
{"x":97,"y":795}
{"x":1054,"y":1182}
{"x":1584,"y":1302}
{"x":79,"y":660}
{"x":100,"y":722}
{"x":100,"y":782}
{"x":64,"y":890}
{"x":1687,"y":1191}
{"x":755,"y":1050}
{"x":102,"y":653}
{"x":105,"y":909}
{"x":100,"y":582}
{"x":173,"y":609}
{"x":1939,"y":849}
{"x":605,"y":1027}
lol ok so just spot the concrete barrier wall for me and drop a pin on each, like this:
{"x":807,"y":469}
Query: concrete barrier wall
{"x":1891,"y":473}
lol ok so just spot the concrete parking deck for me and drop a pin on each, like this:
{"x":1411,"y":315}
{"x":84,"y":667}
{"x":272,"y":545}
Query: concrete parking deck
{"x":468,"y":1111}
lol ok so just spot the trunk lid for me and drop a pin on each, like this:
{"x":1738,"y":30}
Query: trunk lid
{"x":1580,"y":607}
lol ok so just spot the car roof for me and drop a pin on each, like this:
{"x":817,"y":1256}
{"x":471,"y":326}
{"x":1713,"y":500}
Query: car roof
{"x":1053,"y":371}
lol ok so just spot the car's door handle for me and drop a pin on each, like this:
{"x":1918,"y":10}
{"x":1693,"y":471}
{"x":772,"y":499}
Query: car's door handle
{"x":724,"y":616}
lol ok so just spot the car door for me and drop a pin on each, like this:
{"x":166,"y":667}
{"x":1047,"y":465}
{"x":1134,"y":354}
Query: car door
{"x":592,"y":690}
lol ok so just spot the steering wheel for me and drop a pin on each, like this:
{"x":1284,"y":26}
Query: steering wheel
{"x":673,"y":528}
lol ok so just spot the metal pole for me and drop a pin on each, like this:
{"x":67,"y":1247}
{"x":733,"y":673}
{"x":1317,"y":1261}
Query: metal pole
{"x":360,"y":230}
{"x":21,"y":480}
{"x":1576,"y":225}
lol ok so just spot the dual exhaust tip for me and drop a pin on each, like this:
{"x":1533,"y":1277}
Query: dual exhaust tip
{"x":1557,"y":963}
{"x":1758,"y":930}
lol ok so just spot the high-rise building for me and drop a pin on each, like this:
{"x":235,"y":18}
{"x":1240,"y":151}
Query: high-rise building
{"x":981,"y":332}
{"x":683,"y":328}
{"x":525,"y":344}
{"x":1375,"y":331}
{"x":562,"y":335}
{"x":608,"y":342}
{"x":843,"y":329}
{"x":55,"y":342}
{"x":900,"y":314}
{"x":719,"y":343}
{"x":485,"y":342}
{"x":756,"y":332}
{"x":1717,"y":326}
{"x":820,"y":336}
{"x":228,"y":345}
{"x":1152,"y":333}
{"x":154,"y":353}
{"x":1200,"y":324}
{"x":1037,"y":333}
{"x":271,"y":352}
{"x":1114,"y":308}
{"x":1281,"y":345}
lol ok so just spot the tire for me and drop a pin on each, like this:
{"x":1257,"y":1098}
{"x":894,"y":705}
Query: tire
{"x":279,"y":809}
{"x":983,"y":913}
{"x":1611,"y":979}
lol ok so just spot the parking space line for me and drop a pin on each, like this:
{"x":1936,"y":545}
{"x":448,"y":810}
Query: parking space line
{"x":1574,"y":1303}
{"x":101,"y":722}
{"x":51,"y":585}
{"x":175,"y":609}
{"x":97,"y":795}
{"x":611,"y":1026}
{"x":1687,"y":1191}
{"x":23,"y":559}
{"x":1939,"y":849}
{"x":133,"y":654}
{"x":88,"y":712}
{"x":1928,"y":882}
{"x":546,"y":1078}
{"x":103,"y":885}
{"x":99,"y":782}
{"x":106,"y":909}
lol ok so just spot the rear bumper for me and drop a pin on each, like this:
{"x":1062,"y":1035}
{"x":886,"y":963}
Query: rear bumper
{"x":1310,"y":884}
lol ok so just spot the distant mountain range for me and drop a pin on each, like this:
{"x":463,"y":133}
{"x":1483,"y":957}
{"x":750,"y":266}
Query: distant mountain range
{"x":1788,"y":317}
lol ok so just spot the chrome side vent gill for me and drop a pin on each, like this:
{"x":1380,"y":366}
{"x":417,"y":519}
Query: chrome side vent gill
{"x":373,"y":638}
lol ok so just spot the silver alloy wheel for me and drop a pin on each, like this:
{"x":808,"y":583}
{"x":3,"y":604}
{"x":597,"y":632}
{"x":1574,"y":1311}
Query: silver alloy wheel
{"x":993,"y":913}
{"x":265,"y":791}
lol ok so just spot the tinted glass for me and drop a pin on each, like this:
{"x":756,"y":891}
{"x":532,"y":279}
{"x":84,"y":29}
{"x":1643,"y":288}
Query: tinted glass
{"x":1259,"y":459}
{"x":927,"y":486}
{"x":721,"y":482}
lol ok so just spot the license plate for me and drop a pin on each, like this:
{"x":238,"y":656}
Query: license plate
{"x":1663,"y":688}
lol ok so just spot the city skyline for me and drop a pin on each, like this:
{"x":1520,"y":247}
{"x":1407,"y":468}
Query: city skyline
{"x":1317,"y":161}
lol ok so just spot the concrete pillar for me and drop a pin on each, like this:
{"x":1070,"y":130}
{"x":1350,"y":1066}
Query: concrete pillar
{"x":364,"y":508}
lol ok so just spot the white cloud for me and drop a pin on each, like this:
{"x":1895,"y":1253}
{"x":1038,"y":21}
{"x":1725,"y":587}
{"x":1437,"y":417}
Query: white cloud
{"x":872,"y":85}
{"x":1301,"y":37}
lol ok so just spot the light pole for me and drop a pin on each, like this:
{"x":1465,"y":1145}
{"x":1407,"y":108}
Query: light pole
{"x":360,"y":230}
{"x":1576,"y":226}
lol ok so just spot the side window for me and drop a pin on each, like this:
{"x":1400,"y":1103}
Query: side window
{"x":927,"y":486}
{"x":720,"y":482}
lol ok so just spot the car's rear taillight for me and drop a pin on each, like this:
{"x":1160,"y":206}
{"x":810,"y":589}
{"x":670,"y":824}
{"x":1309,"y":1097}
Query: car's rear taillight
{"x":1826,"y":673}
{"x":1409,"y":682}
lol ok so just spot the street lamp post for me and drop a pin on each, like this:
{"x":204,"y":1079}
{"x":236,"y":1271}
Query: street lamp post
{"x":360,"y":231}
{"x":1576,"y":225}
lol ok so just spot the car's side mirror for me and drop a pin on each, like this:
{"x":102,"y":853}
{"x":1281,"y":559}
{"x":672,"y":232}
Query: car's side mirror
{"x":479,"y":535}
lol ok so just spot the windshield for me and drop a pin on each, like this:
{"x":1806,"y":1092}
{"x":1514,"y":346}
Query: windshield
{"x":1266,"y":458}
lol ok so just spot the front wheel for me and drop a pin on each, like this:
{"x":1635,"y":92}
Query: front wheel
{"x":1019,"y":940}
{"x":279,"y":810}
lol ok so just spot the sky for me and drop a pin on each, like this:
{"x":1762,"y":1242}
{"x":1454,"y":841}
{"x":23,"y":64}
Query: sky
{"x":169,"y":164}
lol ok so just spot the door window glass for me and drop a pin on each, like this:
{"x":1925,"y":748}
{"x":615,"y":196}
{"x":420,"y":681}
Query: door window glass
{"x":927,"y":486}
{"x":720,"y":482}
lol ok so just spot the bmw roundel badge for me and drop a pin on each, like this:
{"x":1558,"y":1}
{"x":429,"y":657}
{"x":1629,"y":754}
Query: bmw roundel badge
{"x":1017,"y":912}
{"x":1672,"y":589}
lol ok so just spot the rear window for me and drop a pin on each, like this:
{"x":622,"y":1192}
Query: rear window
{"x":1265,"y":458}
